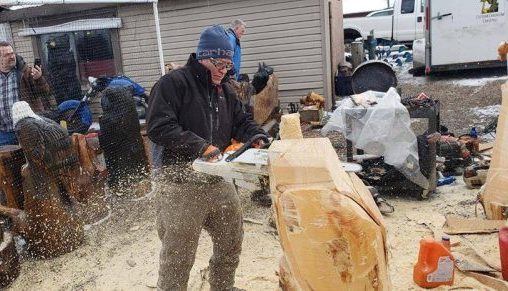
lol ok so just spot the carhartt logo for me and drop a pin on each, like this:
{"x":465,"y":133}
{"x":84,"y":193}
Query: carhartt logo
{"x":217,"y":53}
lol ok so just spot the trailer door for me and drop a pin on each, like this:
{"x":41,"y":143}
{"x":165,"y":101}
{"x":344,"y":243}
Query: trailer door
{"x":466,"y":31}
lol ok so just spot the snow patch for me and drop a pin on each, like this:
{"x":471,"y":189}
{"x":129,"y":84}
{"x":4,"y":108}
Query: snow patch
{"x":477,"y":82}
{"x":487,"y":111}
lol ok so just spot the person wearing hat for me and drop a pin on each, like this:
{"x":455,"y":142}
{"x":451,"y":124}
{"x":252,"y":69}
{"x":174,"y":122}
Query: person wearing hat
{"x":193,"y":113}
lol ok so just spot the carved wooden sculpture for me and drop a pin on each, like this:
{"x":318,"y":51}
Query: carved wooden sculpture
{"x":244,"y":91}
{"x":53,"y":226}
{"x":495,"y":197}
{"x":266,"y":101}
{"x":331,"y":231}
{"x":122,"y":143}
{"x":9,"y":260}
{"x":49,"y":222}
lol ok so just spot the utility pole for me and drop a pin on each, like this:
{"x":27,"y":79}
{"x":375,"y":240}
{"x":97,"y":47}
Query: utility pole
{"x":387,"y":3}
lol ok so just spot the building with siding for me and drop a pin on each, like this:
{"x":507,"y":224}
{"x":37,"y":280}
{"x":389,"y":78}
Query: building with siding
{"x":301,"y":40}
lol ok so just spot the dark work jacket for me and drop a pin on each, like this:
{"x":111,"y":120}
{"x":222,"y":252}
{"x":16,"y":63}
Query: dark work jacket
{"x":186,"y":113}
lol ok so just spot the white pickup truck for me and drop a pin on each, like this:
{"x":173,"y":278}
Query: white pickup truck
{"x":461,"y":35}
{"x":403,"y":23}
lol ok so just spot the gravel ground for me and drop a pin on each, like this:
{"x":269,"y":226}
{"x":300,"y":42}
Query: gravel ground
{"x":461,"y":95}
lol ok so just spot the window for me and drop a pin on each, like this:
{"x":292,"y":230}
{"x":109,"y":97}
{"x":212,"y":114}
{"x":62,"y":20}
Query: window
{"x":422,"y":6}
{"x":382,"y":13}
{"x":94,"y":53}
{"x":71,"y":57}
{"x":407,"y":6}
{"x":89,"y":52}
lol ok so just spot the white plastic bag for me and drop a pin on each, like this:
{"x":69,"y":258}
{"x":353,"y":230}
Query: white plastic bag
{"x":383,"y":129}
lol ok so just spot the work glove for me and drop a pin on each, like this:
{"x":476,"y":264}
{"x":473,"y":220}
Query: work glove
{"x":211,"y":154}
{"x":258,"y":144}
{"x":234,"y":146}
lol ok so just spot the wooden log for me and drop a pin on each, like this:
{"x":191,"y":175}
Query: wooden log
{"x":331,"y":231}
{"x":9,"y":259}
{"x":497,"y":211}
{"x":495,"y":197}
{"x":11,"y":161}
{"x":89,"y":179}
{"x":290,"y":126}
{"x":52,"y":225}
{"x":357,"y":53}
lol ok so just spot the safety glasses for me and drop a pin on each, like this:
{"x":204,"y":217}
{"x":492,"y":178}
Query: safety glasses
{"x":221,"y":65}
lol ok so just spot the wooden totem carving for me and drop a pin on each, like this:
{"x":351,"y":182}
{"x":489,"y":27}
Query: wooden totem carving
{"x":49,"y":222}
{"x":121,"y":140}
{"x":331,"y":231}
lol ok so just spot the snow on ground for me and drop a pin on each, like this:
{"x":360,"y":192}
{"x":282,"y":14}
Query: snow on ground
{"x":474,"y":82}
{"x":487,"y":111}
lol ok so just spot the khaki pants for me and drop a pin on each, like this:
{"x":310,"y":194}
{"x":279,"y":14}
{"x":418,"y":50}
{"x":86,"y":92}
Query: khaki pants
{"x":183,"y":210}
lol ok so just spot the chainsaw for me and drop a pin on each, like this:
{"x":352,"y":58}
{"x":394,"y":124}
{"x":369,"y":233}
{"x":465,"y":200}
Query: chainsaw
{"x":247,"y":167}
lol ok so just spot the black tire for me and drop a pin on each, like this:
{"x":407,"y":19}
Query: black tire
{"x":350,"y":35}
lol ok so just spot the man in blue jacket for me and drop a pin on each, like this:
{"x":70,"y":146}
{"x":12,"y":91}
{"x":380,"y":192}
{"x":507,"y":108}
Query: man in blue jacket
{"x":235,"y":33}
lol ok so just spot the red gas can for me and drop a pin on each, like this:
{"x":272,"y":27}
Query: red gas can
{"x":503,"y":250}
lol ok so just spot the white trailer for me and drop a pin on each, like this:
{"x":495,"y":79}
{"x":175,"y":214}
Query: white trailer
{"x":461,"y":34}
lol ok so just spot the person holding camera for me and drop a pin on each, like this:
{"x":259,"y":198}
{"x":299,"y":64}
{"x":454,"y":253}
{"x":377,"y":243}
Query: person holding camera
{"x":19,"y":82}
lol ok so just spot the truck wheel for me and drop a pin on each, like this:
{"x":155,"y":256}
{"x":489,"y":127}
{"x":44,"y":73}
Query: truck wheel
{"x":417,"y":72}
{"x":350,"y":35}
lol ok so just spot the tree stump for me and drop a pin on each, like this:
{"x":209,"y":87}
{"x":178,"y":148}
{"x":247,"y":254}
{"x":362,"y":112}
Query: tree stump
{"x":495,"y":197}
{"x":121,"y":140}
{"x":11,"y":161}
{"x":9,"y":260}
{"x":331,"y":231}
{"x":51,"y":224}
